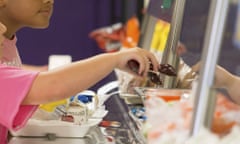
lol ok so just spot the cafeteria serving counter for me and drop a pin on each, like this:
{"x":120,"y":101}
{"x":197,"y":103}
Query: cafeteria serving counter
{"x":117,"y":127}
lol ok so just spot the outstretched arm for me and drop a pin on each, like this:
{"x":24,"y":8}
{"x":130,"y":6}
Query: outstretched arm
{"x":68,"y":80}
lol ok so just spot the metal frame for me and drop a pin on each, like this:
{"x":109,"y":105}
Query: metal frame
{"x":204,"y":94}
{"x":170,"y":55}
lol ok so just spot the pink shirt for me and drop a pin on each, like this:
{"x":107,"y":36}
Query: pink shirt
{"x":14,"y":85}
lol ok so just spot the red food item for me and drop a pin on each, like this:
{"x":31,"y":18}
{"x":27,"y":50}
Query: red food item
{"x":110,"y":138}
{"x":105,"y":123}
{"x":67,"y":118}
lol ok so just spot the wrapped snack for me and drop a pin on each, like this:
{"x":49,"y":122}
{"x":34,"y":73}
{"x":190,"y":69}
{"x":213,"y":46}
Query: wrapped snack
{"x":87,"y":98}
{"x":81,"y":107}
{"x":76,"y":113}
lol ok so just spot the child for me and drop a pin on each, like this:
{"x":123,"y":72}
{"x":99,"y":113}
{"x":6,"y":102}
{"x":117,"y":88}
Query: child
{"x":22,"y":91}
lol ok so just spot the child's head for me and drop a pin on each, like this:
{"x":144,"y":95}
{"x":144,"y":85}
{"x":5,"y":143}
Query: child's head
{"x":16,"y":14}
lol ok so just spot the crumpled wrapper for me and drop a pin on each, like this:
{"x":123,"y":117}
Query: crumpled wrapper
{"x":186,"y":75}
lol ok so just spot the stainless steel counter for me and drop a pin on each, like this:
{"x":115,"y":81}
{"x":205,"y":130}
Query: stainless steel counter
{"x":128,"y":132}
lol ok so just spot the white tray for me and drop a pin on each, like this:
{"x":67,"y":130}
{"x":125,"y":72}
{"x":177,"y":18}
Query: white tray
{"x":18,"y":140}
{"x":39,"y":128}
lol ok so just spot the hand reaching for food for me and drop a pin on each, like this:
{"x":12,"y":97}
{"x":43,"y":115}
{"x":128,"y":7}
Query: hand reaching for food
{"x":154,"y":76}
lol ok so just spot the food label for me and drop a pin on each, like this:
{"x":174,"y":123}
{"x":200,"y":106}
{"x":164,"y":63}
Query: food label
{"x":79,"y":114}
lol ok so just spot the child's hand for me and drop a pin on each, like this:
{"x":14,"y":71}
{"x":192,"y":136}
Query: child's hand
{"x":223,"y":78}
{"x":141,"y":56}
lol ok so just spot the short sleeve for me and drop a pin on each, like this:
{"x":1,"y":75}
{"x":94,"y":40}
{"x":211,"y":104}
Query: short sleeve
{"x":14,"y":86}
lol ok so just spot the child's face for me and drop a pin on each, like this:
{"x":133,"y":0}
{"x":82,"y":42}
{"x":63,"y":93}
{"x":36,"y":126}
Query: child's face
{"x":30,"y":13}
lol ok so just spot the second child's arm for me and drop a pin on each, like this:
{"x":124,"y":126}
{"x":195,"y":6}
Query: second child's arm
{"x":228,"y":81}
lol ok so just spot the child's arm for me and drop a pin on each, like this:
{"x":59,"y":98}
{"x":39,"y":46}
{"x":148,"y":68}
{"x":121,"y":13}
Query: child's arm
{"x":224,"y":79}
{"x":68,"y":80}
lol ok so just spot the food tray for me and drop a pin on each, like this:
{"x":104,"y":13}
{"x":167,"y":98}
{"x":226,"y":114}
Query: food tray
{"x":39,"y":128}
{"x":18,"y":140}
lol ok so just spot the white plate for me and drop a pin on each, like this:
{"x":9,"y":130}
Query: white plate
{"x":56,"y":127}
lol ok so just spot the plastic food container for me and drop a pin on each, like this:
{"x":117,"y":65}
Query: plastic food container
{"x":167,"y":95}
{"x":58,"y":128}
{"x":39,"y":128}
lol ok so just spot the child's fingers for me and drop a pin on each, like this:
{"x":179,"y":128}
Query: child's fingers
{"x":2,"y":28}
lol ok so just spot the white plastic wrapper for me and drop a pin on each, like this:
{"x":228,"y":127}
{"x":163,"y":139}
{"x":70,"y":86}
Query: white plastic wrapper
{"x":186,"y":75}
{"x":127,"y":82}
